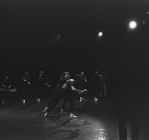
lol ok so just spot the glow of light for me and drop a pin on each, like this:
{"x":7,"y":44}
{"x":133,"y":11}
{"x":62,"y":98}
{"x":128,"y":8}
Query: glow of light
{"x":102,"y":138}
{"x":100,"y":34}
{"x":132,"y":24}
{"x":102,"y":135}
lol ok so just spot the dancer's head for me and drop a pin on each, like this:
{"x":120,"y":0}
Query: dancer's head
{"x":82,"y":72}
{"x":65,"y":75}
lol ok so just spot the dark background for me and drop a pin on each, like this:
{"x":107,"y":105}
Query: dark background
{"x":59,"y":35}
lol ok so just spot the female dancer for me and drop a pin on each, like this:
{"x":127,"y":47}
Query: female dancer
{"x":55,"y":96}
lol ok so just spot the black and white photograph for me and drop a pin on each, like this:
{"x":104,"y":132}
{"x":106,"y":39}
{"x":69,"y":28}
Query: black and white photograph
{"x":74,"y":69}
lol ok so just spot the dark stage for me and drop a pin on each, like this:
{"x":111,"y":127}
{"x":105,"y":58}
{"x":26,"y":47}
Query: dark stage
{"x":95,"y":121}
{"x":53,"y":36}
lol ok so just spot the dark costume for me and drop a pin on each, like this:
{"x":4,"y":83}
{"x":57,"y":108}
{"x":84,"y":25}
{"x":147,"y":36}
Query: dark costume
{"x":98,"y":86}
{"x":128,"y":102}
{"x":61,"y":93}
{"x":25,"y":89}
{"x":82,"y":83}
{"x":40,"y":87}
{"x":6,"y":86}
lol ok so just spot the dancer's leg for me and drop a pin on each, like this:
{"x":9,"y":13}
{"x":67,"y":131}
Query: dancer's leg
{"x":67,"y":98}
{"x":63,"y":107}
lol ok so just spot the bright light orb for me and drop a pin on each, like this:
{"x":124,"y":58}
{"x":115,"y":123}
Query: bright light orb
{"x":132,"y":24}
{"x":100,"y":34}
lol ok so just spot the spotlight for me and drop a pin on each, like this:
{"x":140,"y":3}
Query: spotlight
{"x":132,"y":25}
{"x":100,"y":34}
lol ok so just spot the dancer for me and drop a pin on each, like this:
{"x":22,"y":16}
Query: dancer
{"x":25,"y":86}
{"x":128,"y":103}
{"x":62,"y":80}
{"x":103,"y":83}
{"x":7,"y":90}
{"x":75,"y":83}
{"x":39,"y":86}
{"x":82,"y":84}
{"x":63,"y":92}
{"x":99,"y":85}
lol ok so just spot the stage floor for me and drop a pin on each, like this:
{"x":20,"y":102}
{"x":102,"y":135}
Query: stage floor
{"x":95,"y":121}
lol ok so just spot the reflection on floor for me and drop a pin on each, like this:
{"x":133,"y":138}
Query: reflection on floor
{"x":95,"y":121}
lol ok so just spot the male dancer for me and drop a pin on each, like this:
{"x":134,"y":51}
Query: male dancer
{"x":82,"y":84}
{"x":6,"y":89}
{"x":24,"y":87}
{"x":99,"y":86}
{"x":39,"y":85}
